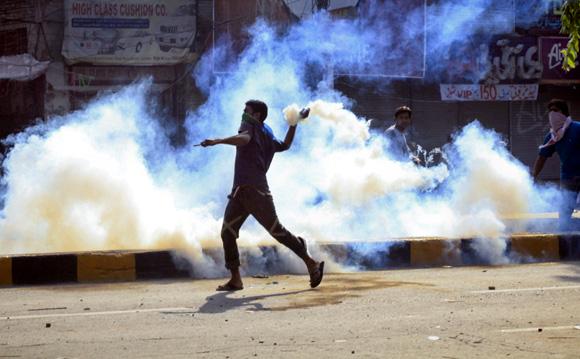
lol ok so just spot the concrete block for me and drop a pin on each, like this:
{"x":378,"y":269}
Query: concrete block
{"x":106,"y":267}
{"x":5,"y":271}
{"x":435,"y":252}
{"x":536,"y":247}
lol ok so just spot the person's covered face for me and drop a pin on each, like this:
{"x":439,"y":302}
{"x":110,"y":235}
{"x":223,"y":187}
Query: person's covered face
{"x":403,"y":121}
{"x":250,"y":111}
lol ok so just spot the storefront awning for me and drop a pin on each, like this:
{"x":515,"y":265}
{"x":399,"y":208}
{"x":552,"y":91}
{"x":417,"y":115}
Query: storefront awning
{"x":23,"y":67}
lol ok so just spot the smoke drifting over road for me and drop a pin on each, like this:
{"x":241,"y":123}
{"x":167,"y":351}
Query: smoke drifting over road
{"x":106,"y":177}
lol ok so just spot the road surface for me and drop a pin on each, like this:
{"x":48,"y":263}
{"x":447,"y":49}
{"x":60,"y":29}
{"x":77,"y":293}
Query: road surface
{"x":522,"y":311}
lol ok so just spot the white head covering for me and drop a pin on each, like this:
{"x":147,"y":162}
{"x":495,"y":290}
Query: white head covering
{"x":558,"y":125}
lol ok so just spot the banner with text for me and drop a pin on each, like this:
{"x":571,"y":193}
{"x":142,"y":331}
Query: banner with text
{"x":469,"y":92}
{"x":552,"y":60}
{"x":129,"y":32}
{"x":506,"y":59}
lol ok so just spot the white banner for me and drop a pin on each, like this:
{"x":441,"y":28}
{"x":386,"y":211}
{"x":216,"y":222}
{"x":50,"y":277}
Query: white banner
{"x":23,"y":67}
{"x":129,"y":32}
{"x":468,"y":92}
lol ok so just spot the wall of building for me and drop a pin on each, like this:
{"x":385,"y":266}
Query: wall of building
{"x":66,"y":88}
{"x":522,"y":124}
{"x":21,"y":102}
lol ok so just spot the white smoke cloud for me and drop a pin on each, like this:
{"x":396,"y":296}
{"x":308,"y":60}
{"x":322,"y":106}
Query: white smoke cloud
{"x":86,"y":184}
{"x":106,"y":178}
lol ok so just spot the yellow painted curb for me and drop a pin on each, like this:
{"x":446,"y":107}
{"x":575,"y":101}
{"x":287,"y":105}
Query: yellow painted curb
{"x":542,"y":247}
{"x":95,"y":267}
{"x":435,"y":252}
{"x":5,"y":271}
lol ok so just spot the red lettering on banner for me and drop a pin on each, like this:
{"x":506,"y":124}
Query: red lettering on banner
{"x":137,"y":10}
{"x":106,"y":9}
{"x":81,"y":9}
{"x":488,"y":92}
{"x":464,"y":93}
{"x":517,"y":92}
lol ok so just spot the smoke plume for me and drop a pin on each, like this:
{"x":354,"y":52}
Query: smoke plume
{"x":106,"y":176}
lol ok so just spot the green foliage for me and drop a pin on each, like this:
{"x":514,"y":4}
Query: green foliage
{"x":571,"y":27}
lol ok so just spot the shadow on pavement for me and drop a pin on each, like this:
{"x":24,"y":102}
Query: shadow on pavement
{"x":333,"y":290}
{"x":575,"y":277}
{"x":221,"y":302}
{"x":570,"y":253}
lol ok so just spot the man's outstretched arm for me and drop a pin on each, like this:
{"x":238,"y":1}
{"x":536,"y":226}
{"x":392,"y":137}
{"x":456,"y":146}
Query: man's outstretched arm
{"x":241,"y":139}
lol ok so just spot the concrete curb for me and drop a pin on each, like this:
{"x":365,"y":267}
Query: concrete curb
{"x":89,"y":267}
{"x":111,"y":266}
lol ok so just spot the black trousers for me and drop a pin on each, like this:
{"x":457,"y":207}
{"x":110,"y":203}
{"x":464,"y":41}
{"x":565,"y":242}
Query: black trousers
{"x":245,"y":201}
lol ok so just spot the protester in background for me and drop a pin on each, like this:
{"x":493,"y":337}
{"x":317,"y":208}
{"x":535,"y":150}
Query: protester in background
{"x":563,"y":138}
{"x":255,"y":148}
{"x":398,"y":146}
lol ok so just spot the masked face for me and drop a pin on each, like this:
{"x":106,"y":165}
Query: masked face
{"x":557,"y":120}
{"x":248,"y":110}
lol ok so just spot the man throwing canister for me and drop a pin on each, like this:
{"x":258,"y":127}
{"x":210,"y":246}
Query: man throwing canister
{"x":255,"y":148}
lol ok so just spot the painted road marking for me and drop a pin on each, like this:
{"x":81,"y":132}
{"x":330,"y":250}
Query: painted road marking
{"x":525,"y":289}
{"x":88,"y":314}
{"x":536,"y":329}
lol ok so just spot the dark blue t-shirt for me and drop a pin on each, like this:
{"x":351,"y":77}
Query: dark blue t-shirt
{"x":568,"y":149}
{"x":253,"y":160}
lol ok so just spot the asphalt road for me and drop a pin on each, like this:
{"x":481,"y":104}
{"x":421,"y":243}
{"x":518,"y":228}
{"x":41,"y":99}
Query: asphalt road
{"x":524,"y":311}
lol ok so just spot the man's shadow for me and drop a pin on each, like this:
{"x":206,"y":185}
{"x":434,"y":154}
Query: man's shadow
{"x":221,"y":302}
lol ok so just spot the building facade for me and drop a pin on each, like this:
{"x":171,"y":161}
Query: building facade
{"x":503,"y":81}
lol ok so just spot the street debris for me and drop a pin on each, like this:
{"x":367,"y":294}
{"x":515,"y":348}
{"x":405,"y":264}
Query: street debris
{"x":260,"y":276}
{"x":452,"y":301}
{"x":39,"y":309}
